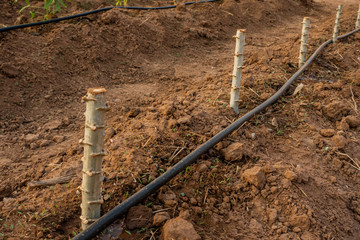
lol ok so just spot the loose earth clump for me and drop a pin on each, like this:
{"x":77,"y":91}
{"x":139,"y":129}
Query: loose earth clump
{"x":291,"y":172}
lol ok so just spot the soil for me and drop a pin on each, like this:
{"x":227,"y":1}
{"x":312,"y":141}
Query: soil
{"x":291,"y":172}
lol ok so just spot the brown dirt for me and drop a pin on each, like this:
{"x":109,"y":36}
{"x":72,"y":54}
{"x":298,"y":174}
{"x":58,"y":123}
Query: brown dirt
{"x":167,"y":76}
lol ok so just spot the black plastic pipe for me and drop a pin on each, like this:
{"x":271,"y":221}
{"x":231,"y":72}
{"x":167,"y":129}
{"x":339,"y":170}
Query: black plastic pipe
{"x":5,"y":29}
{"x":138,"y":197}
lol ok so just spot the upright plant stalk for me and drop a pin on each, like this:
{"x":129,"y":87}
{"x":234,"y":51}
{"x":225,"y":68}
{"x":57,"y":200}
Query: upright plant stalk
{"x":304,"y":41}
{"x":93,"y":153}
{"x":237,"y":72}
{"x":337,"y":23}
{"x":357,"y":24}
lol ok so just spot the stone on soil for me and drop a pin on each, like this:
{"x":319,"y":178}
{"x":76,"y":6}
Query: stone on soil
{"x":138,"y":217}
{"x":53,"y":125}
{"x":339,"y":141}
{"x":353,"y":121}
{"x":336,"y":110}
{"x":255,"y":226}
{"x":255,"y":176}
{"x":160,"y":218}
{"x":327,"y":132}
{"x":301,"y":221}
{"x":31,"y":138}
{"x":179,"y":229}
{"x":233,"y":152}
{"x":290,"y":175}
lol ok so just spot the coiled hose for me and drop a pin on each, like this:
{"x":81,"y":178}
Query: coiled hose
{"x":138,"y":197}
{"x":5,"y":29}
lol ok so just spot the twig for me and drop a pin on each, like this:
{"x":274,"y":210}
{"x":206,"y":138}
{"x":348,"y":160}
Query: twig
{"x":229,"y":120}
{"x":161,"y":210}
{"x":153,"y":234}
{"x":144,"y":22}
{"x":173,"y":157}
{"x":353,"y":160}
{"x":206,"y":194}
{"x":51,"y":181}
{"x":353,"y":98}
{"x":228,"y":12}
{"x":147,"y":141}
{"x":13,"y":209}
{"x":199,"y":135}
{"x":166,"y":146}
{"x":355,"y":60}
{"x":217,"y":98}
{"x":253,"y":91}
{"x":301,"y":190}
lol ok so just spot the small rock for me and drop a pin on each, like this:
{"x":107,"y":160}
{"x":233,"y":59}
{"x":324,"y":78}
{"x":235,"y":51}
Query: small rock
{"x":44,"y":143}
{"x":34,"y":146}
{"x":274,"y":122}
{"x":53,"y":125}
{"x":58,"y":138}
{"x":255,"y":176}
{"x":301,"y":221}
{"x":172,"y":123}
{"x":184,"y":120}
{"x":66,"y":121}
{"x":327,"y":132}
{"x":166,"y":109}
{"x":284,"y":236}
{"x":308,"y":236}
{"x":255,"y":226}
{"x":253,"y":136}
{"x":269,"y":169}
{"x":109,"y":133}
{"x":31,"y":138}
{"x":167,"y":195}
{"x":160,"y":218}
{"x":170,"y":203}
{"x":272,"y":215}
{"x":133,"y":113}
{"x":138,"y":217}
{"x":342,"y":125}
{"x":179,"y":229}
{"x":336,"y":110}
{"x":296,"y":230}
{"x":137,"y":125}
{"x":202,"y":167}
{"x":353,"y":121}
{"x":233,"y":152}
{"x":271,"y":179}
{"x":193,"y":201}
{"x":332,"y":179}
{"x":290,"y":175}
{"x":339,"y":141}
{"x":185,"y":214}
{"x":285,"y":183}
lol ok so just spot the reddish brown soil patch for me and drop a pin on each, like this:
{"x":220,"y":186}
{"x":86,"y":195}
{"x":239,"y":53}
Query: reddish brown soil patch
{"x":167,"y":75}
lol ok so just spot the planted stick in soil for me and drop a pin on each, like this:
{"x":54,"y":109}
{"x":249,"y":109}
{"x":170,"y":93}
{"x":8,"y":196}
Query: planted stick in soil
{"x":304,"y":41}
{"x":357,"y":24}
{"x":237,"y":72}
{"x":337,"y":23}
{"x":93,"y":153}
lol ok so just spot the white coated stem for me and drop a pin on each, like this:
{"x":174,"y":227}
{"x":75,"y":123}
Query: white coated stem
{"x":93,"y":153}
{"x":337,"y":23}
{"x":357,"y":25}
{"x":304,"y":41}
{"x":237,"y":72}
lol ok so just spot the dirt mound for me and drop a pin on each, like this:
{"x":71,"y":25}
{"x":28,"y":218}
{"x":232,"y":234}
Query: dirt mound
{"x":289,"y":173}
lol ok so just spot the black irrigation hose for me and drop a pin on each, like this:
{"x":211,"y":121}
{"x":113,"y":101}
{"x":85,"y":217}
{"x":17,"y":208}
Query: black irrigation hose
{"x":138,"y":197}
{"x":5,"y":29}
